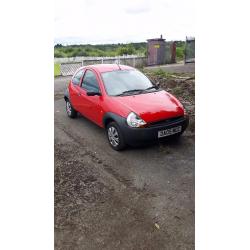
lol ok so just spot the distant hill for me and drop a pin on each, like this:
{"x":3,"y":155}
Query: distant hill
{"x":99,"y":49}
{"x":61,"y":51}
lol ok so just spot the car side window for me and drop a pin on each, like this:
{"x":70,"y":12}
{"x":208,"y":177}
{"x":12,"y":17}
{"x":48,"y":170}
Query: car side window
{"x":90,"y":82}
{"x":77,"y":77}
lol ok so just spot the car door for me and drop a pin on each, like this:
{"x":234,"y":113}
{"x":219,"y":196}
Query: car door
{"x":90,"y":106}
{"x":74,"y":89}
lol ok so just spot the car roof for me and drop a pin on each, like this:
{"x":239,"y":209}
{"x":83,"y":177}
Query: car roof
{"x":108,"y":67}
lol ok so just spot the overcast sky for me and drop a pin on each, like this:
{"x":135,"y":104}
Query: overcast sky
{"x":113,"y":21}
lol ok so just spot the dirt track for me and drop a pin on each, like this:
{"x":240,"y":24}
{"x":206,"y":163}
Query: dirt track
{"x":111,"y":200}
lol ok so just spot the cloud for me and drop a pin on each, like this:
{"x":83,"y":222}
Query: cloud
{"x":137,"y":10}
{"x":112,"y":21}
{"x":137,"y":6}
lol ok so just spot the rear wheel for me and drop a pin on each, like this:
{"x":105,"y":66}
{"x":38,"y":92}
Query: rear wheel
{"x":115,"y":137}
{"x":71,"y":112}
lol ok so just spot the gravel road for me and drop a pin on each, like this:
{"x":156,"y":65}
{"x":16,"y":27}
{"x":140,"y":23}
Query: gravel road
{"x":140,"y":198}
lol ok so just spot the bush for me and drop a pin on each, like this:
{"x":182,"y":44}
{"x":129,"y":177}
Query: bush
{"x":78,"y":52}
{"x":180,"y":53}
{"x":126,"y":50}
{"x":59,"y":54}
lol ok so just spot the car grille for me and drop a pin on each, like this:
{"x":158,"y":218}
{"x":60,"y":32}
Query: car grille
{"x":166,"y":122}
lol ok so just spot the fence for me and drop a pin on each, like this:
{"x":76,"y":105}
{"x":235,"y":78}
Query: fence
{"x":190,"y":50}
{"x":68,"y":66}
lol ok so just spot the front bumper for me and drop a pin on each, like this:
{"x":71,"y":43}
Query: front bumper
{"x":137,"y":136}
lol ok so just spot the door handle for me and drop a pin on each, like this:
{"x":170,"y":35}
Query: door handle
{"x":79,"y":94}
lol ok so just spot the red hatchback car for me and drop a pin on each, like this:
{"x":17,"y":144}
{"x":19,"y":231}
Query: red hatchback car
{"x":126,"y":103}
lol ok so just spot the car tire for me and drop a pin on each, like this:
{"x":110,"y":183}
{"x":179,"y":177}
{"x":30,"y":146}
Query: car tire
{"x":115,"y":137}
{"x":71,"y":112}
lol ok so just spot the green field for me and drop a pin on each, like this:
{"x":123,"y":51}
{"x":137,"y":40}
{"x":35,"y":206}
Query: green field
{"x":57,"y":69}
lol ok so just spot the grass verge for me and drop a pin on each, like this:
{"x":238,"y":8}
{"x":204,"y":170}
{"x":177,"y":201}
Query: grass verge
{"x":57,"y":69}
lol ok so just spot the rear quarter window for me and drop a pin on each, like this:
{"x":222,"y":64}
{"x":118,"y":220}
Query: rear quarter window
{"x":77,"y":77}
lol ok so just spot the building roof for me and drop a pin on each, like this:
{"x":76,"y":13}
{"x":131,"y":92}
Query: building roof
{"x":156,"y":39}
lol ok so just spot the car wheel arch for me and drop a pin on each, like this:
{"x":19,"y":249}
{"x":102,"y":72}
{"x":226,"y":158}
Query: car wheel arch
{"x":112,"y":117}
{"x":107,"y":121}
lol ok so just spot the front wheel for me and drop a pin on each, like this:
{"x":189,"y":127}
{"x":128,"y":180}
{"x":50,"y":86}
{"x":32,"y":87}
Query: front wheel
{"x":115,"y":137}
{"x":71,"y":112}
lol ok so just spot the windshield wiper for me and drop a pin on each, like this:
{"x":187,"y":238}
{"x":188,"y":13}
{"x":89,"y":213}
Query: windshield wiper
{"x":152,"y":87}
{"x":130,"y":91}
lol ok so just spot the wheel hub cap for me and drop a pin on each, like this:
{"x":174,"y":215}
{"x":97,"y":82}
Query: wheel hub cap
{"x":68,"y":107}
{"x":113,"y":136}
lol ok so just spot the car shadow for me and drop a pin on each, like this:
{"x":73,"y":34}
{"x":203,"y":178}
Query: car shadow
{"x":173,"y":143}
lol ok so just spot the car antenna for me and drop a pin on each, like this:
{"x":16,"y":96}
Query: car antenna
{"x":118,"y":64}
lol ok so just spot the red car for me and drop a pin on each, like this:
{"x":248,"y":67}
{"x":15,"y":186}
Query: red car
{"x":126,"y":103}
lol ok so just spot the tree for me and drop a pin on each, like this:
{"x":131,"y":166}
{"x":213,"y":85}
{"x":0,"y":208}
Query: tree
{"x":126,"y":50}
{"x":58,"y":45}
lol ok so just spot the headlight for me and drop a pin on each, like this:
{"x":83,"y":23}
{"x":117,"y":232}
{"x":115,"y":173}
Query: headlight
{"x":134,"y":121}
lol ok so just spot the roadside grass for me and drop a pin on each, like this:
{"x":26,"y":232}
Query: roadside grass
{"x":57,"y":69}
{"x":156,"y":72}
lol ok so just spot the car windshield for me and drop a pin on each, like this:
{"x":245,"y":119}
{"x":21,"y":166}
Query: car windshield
{"x":124,"y":82}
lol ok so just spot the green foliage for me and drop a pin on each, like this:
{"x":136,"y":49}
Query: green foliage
{"x":160,"y":73}
{"x":110,"y":50}
{"x":180,"y":52}
{"x":59,"y":54}
{"x":180,"y":43}
{"x":126,"y":50}
{"x":99,"y":50}
{"x":58,"y":45}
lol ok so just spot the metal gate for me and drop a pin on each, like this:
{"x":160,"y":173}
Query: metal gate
{"x":69,"y":68}
{"x":190,"y":50}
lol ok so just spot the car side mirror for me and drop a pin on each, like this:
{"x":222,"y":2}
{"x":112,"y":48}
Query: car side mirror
{"x":93,"y":93}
